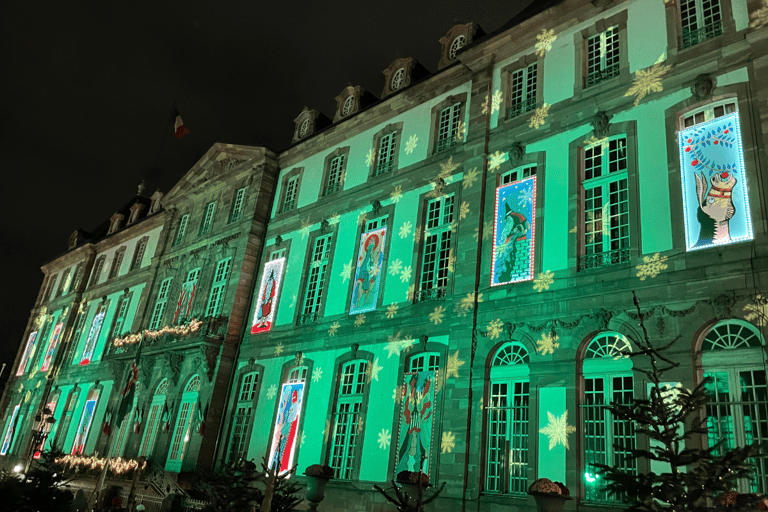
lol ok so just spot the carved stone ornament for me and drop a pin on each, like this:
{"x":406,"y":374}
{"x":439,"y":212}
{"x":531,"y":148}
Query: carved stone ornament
{"x":145,"y":372}
{"x":324,"y":226}
{"x":722,"y":306}
{"x":602,"y":317}
{"x":423,"y":339}
{"x":278,"y":240}
{"x":74,"y":239}
{"x":116,"y":368}
{"x":355,"y":347}
{"x":601,"y":123}
{"x":298,"y":357}
{"x":174,"y":361}
{"x":702,"y":87}
{"x":376,"y":205}
{"x":516,"y":152}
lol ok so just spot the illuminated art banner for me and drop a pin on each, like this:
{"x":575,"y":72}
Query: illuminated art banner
{"x":514,"y":231}
{"x":52,"y":343}
{"x":85,"y":425}
{"x":93,"y":337}
{"x":714,"y":180}
{"x":286,"y":435}
{"x":266,"y":303}
{"x":370,"y":257}
{"x":27,"y":353}
{"x":417,"y":422}
{"x":8,"y":437}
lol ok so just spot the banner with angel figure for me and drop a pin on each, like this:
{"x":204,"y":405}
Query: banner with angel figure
{"x":370,"y":257}
{"x":286,"y":434}
{"x":514,"y":231}
{"x":714,"y":182}
{"x":266,"y":302}
{"x":418,"y":397}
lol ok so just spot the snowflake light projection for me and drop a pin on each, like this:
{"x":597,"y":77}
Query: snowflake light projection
{"x":410,"y":144}
{"x":557,"y":430}
{"x":359,"y":320}
{"x":496,"y":100}
{"x":317,"y":374}
{"x":470,"y":177}
{"x":362,"y":218}
{"x":758,"y":312}
{"x":405,"y":275}
{"x":372,"y":372}
{"x":409,"y":293}
{"x":495,"y":160}
{"x":453,"y":365}
{"x":395,"y":346}
{"x":451,"y":267}
{"x":395,"y":267}
{"x":334,"y":219}
{"x":303,"y":438}
{"x":447,"y":167}
{"x":594,"y":141}
{"x":448,"y":442}
{"x":370,"y":157}
{"x":544,"y":41}
{"x":543,"y":281}
{"x":271,"y":391}
{"x":547,"y":344}
{"x":293,"y":301}
{"x":461,"y":131}
{"x":396,"y":194}
{"x":466,"y":304}
{"x":279,"y":349}
{"x":266,"y":302}
{"x":495,"y":328}
{"x":759,"y":17}
{"x":714,"y":184}
{"x":539,"y":117}
{"x":391,"y":310}
{"x":514,"y":232}
{"x":346,"y":272}
{"x":305,"y":227}
{"x":405,"y":229}
{"x":651,"y":266}
{"x":648,"y":80}
{"x":334,"y":327}
{"x":598,"y":224}
{"x":436,"y":316}
{"x":385,"y":438}
{"x":464,"y":210}
{"x":486,"y":106}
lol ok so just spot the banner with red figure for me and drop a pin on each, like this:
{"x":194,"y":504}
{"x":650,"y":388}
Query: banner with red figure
{"x":266,"y":302}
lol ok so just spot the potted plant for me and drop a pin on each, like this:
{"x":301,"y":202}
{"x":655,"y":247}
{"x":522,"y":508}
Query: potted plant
{"x":317,"y":476}
{"x":550,"y":496}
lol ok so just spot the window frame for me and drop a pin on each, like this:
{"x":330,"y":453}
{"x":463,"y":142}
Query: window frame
{"x":218,"y":287}
{"x":117,"y":263}
{"x":379,"y":167}
{"x":161,"y":300}
{"x":623,"y":77}
{"x":98,"y":269}
{"x":181,"y":230}
{"x":434,"y":139}
{"x":238,"y":205}
{"x":158,"y":407}
{"x":242,"y":403}
{"x":306,"y":317}
{"x":138,"y":254}
{"x":507,"y":79}
{"x":442,"y":263}
{"x":208,"y":218}
{"x":289,"y":194}
{"x":340,"y":155}
{"x":181,"y":437}
{"x":349,"y":431}
{"x":711,"y":31}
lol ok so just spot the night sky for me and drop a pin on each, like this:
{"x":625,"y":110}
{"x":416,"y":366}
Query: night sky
{"x":87,"y":93}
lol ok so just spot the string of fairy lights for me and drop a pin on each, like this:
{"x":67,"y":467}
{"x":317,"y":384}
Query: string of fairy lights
{"x":117,"y":465}
{"x":177,"y":330}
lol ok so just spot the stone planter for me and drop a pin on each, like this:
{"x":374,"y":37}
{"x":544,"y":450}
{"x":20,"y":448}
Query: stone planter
{"x":546,"y":502}
{"x":316,"y":488}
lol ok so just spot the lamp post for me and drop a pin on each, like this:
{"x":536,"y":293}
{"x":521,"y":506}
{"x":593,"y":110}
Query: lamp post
{"x":44,"y":420}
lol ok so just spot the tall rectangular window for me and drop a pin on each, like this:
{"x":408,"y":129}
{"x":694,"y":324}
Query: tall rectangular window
{"x":117,"y":262}
{"x":603,"y":56}
{"x":289,"y":199}
{"x":66,"y":280}
{"x":138,"y":254}
{"x":218,"y":287}
{"x":507,"y":411}
{"x":98,"y":267}
{"x":207,"y":222}
{"x":50,"y":288}
{"x":122,"y":313}
{"x":318,"y":265}
{"x":701,"y":20}
{"x":523,"y":91}
{"x":606,"y":204}
{"x":437,"y":249}
{"x":162,"y":298}
{"x":348,"y":420}
{"x":386,"y":156}
{"x":243,"y":416}
{"x":237,"y":205}
{"x":447,"y":127}
{"x":181,"y":230}
{"x":336,"y":167}
{"x":157,"y":410}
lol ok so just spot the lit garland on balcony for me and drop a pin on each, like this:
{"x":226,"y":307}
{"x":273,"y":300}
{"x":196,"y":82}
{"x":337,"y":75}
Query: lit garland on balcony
{"x":178,"y":330}
{"x":117,"y":465}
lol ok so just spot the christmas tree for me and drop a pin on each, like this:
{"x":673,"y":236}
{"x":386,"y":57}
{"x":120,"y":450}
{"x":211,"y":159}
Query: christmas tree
{"x":674,"y":420}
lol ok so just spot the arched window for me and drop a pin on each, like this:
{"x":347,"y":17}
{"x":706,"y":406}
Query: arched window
{"x":737,"y":392}
{"x":347,"y":419}
{"x":607,"y":374}
{"x":157,"y":409}
{"x":242,"y":420}
{"x":285,"y":436}
{"x":182,"y":432}
{"x":506,"y":408}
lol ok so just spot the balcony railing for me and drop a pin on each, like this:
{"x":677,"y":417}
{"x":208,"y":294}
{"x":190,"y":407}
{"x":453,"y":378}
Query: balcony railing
{"x":309,"y":318}
{"x":521,"y":108}
{"x":603,"y":75}
{"x":431,"y":294}
{"x":287,"y":206}
{"x":331,"y":188}
{"x":603,"y":259}
{"x":383,"y":167}
{"x":445,"y":144}
{"x":692,"y":37}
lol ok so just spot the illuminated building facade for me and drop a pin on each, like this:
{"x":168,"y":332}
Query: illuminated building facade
{"x":441,"y":279}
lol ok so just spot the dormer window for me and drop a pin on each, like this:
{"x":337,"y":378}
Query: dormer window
{"x":304,"y":129}
{"x":350,"y":100}
{"x":349,"y":104}
{"x":397,"y":79}
{"x":135,"y":211}
{"x":114,"y":222}
{"x":154,"y":207}
{"x":457,"y":44}
{"x":455,"y":39}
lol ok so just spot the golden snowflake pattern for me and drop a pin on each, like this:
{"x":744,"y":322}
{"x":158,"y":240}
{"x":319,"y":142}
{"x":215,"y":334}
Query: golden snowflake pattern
{"x":372,"y":372}
{"x":470,"y":177}
{"x":410,"y":292}
{"x":485,"y":104}
{"x":396,"y":194}
{"x":557,"y":430}
{"x":395,"y":346}
{"x":360,"y":424}
{"x":651,"y":266}
{"x":436,"y":316}
{"x":594,"y":141}
{"x":385,"y":438}
{"x":599,"y":224}
{"x":461,"y":131}
{"x":417,"y":234}
{"x":370,"y":157}
{"x":448,"y":442}
{"x":305,"y":227}
{"x":648,"y":80}
{"x":495,"y":328}
{"x":487,"y":231}
{"x":544,"y":41}
{"x":405,"y":275}
{"x":359,"y":320}
{"x":362,"y":218}
{"x":574,"y":229}
{"x":405,"y":229}
{"x":410,"y":144}
{"x":334,"y":219}
{"x":346,"y":272}
{"x":464,"y":210}
{"x":451,"y":267}
{"x":466,"y":304}
{"x":759,"y":17}
{"x":453,"y":365}
{"x":543,"y":280}
{"x":547,"y":344}
{"x":395,"y":267}
{"x":758,"y":312}
{"x":334,"y":327}
{"x":392,"y":310}
{"x":496,"y":101}
{"x":495,"y":160}
{"x":279,"y":349}
{"x":447,"y":168}
{"x":539,"y":117}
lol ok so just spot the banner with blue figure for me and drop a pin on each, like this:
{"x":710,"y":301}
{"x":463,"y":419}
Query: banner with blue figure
{"x":418,"y":397}
{"x":514,"y":231}
{"x":714,"y":181}
{"x":286,"y":434}
{"x":370,"y":257}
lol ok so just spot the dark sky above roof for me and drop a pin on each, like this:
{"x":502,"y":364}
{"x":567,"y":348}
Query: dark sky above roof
{"x":87,"y":91}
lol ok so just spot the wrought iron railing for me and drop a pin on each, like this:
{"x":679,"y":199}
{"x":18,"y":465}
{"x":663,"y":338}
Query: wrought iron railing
{"x":331,"y":188}
{"x":521,"y":108}
{"x":384,"y":166}
{"x":603,"y":75}
{"x":287,"y":206}
{"x":431,"y":294}
{"x":603,"y":259}
{"x":447,"y":143}
{"x":692,"y":37}
{"x":309,"y":318}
